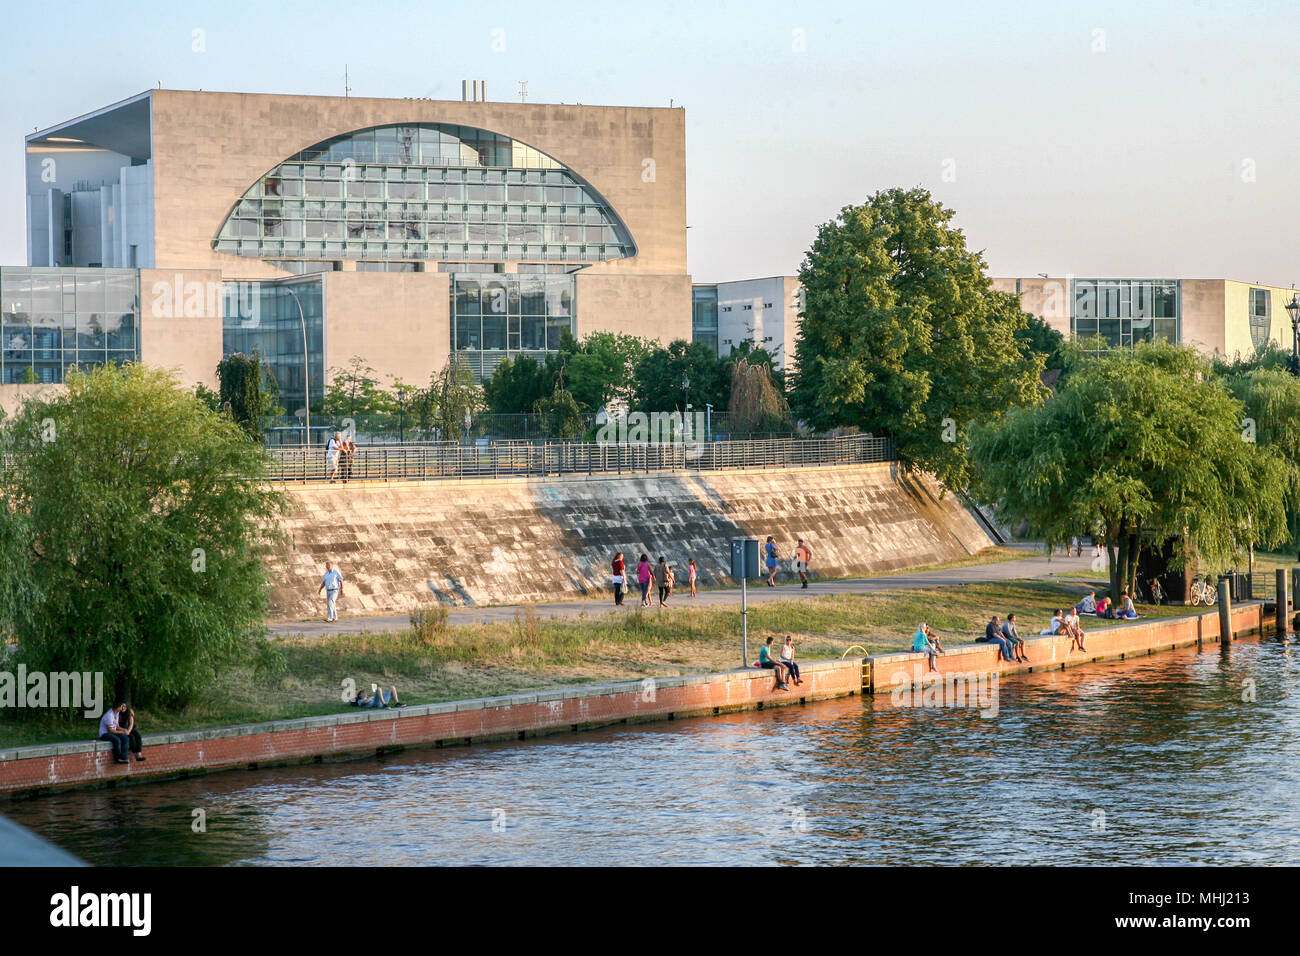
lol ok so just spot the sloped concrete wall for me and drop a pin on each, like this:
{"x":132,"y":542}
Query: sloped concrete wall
{"x":509,"y":540}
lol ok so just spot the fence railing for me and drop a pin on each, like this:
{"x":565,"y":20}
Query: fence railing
{"x":515,"y":459}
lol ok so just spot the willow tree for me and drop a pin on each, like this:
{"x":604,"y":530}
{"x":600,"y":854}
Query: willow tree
{"x":756,"y":404}
{"x":456,"y":397}
{"x":1147,"y":445}
{"x":903,"y":335}
{"x":139,"y":517}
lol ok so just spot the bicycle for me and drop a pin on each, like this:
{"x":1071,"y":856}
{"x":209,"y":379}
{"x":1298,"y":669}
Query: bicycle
{"x":1157,"y":592}
{"x":1203,"y":592}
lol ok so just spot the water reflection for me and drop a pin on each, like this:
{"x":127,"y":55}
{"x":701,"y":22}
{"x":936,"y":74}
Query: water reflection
{"x":1155,"y":760}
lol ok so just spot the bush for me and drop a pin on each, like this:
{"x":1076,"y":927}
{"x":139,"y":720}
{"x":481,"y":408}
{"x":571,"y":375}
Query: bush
{"x":428,"y":622}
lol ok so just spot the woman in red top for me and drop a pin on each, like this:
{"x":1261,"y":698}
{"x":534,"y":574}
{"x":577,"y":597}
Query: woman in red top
{"x":618,"y":568}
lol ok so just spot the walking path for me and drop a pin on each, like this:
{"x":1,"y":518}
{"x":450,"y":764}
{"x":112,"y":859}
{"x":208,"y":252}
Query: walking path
{"x":758,"y":593}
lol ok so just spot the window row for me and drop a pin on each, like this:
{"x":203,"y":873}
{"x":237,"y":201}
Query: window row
{"x":274,"y":188}
{"x":417,"y":229}
{"x":413,"y":249}
{"x":427,"y":144}
{"x":509,"y":334}
{"x":434,"y":212}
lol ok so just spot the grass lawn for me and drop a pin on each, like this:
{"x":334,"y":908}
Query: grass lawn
{"x":302,"y":678}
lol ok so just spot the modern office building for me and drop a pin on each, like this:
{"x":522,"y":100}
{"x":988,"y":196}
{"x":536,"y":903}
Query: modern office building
{"x":397,"y":230}
{"x":762,"y":311}
{"x":1222,"y":316}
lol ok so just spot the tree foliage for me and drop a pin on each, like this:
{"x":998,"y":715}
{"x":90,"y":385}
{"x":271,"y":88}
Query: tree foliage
{"x":518,"y":384}
{"x":141,"y":516}
{"x":355,"y":391}
{"x":248,"y":391}
{"x":458,"y":396}
{"x":1147,"y":446}
{"x":660,"y":372}
{"x":903,"y":334}
{"x":756,"y":404}
{"x":601,"y":368}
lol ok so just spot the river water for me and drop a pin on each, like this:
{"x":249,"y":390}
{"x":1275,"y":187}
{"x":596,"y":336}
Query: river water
{"x":1177,"y":758}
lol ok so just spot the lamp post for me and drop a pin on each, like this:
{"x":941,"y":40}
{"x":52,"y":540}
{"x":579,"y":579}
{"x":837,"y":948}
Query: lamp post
{"x":306,"y":373}
{"x":1293,"y":309}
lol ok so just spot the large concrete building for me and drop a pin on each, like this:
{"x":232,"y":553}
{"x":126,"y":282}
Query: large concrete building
{"x":1217,"y":316}
{"x":177,"y":226}
{"x":764,"y":312}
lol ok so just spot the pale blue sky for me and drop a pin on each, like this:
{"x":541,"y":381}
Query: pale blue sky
{"x":1119,"y":152}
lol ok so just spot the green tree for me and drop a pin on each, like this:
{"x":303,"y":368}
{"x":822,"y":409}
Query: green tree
{"x":517,"y":385}
{"x":208,"y":397}
{"x":1037,"y":338}
{"x":903,"y":335}
{"x":354,"y":392}
{"x":142,"y":515}
{"x":1144,"y":444}
{"x":248,"y":390}
{"x":756,"y":403}
{"x":601,"y":369}
{"x":659,"y":374}
{"x":1271,"y":397}
{"x":561,"y":416}
{"x":457,"y":397}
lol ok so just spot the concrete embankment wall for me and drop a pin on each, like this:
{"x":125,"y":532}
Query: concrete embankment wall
{"x":361,"y":732}
{"x":511,"y":540}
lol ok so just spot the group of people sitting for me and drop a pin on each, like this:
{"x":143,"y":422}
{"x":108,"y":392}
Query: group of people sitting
{"x":1006,"y":634}
{"x":1104,"y":607}
{"x":786,"y":668}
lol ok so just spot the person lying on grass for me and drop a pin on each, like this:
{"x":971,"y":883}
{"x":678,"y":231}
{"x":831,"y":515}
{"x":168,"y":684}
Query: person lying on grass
{"x":378,"y":698}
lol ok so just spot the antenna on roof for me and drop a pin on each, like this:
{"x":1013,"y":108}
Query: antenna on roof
{"x":523,"y":91}
{"x":346,"y":89}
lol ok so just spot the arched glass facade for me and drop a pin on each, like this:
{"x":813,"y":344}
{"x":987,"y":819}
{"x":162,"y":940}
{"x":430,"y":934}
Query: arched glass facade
{"x":424,"y":192}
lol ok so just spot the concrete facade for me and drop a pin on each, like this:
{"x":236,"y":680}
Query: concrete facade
{"x":762,"y":311}
{"x":152,"y":180}
{"x":403,"y":544}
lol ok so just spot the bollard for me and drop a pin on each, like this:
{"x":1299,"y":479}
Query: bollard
{"x":1281,"y":602}
{"x":1225,"y":612}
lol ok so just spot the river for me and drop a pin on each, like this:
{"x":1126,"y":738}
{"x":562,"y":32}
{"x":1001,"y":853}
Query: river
{"x":1176,"y":758}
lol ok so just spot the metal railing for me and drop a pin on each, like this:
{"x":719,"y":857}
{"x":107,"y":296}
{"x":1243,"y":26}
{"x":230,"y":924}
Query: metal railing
{"x":521,"y":459}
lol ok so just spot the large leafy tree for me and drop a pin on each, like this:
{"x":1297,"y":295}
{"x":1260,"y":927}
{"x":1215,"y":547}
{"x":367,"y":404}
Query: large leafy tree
{"x":903,"y":335}
{"x":1146,"y":445}
{"x":138,"y":516}
{"x":518,"y":384}
{"x":601,"y":368}
{"x":660,"y":373}
{"x":1271,"y":397}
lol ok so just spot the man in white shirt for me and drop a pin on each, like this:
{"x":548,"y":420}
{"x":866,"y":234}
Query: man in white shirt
{"x":332,"y":584}
{"x":332,"y":450}
{"x":110,"y":729}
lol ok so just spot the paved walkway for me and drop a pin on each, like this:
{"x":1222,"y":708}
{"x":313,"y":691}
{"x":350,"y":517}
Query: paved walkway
{"x":1035,"y":567}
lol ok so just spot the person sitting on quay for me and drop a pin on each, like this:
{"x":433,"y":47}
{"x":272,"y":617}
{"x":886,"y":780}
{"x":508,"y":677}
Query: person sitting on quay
{"x":1104,"y":609}
{"x":1012,"y":634}
{"x":787,"y":658}
{"x":765,"y":660}
{"x":993,"y":635}
{"x":378,"y":698}
{"x":1071,"y":626}
{"x":921,"y":644}
{"x":1127,"y":610}
{"x":1057,"y":625}
{"x":124,"y":739}
{"x":934,"y":638}
{"x":1088,"y":605}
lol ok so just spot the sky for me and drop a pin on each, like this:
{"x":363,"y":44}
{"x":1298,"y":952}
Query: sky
{"x":1094,"y":139}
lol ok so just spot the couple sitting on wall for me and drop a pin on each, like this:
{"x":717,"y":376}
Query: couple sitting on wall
{"x":1103,"y":608}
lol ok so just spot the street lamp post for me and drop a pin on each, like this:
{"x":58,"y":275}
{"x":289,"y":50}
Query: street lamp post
{"x":401,"y":408}
{"x":306,"y":373}
{"x":1293,"y":309}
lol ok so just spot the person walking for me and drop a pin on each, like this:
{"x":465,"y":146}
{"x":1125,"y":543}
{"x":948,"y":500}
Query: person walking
{"x":802,"y":555}
{"x":332,"y":584}
{"x":643,"y":577}
{"x":661,"y":578}
{"x":332,"y":451}
{"x":618,"y":567}
{"x":691,"y":575}
{"x":770,"y":549}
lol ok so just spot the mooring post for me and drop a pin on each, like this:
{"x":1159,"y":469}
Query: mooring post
{"x":1281,"y":602}
{"x":1225,"y":612}
{"x":1295,"y":593}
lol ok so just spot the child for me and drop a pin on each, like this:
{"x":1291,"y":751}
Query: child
{"x":670,"y":579}
{"x":691,"y":576}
